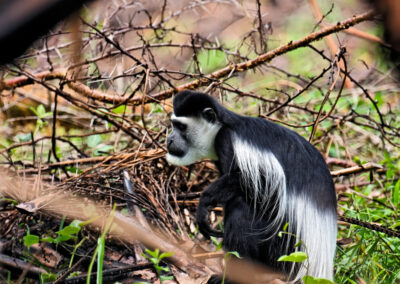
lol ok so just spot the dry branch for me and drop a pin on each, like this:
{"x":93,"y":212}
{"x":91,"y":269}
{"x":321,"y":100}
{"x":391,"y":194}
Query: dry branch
{"x":20,"y":264}
{"x":356,"y":169}
{"x":208,"y":79}
{"x":133,"y":158}
{"x":329,"y":40}
{"x":25,"y":80}
{"x":367,"y":36}
{"x":266,"y":57}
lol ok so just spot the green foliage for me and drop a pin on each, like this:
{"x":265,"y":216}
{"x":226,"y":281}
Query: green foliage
{"x":74,"y":274}
{"x":64,"y":234}
{"x":101,"y":243}
{"x":396,"y":193}
{"x":314,"y":280}
{"x":41,"y":113}
{"x":156,"y":108}
{"x":211,"y":60}
{"x":30,"y":240}
{"x":47,"y":277}
{"x":9,"y":200}
{"x":93,"y":70}
{"x":284,"y":230}
{"x":217,"y":243}
{"x":234,"y":253}
{"x":103,"y":150}
{"x":73,"y":169}
{"x":21,"y":137}
{"x":69,"y":232}
{"x":95,"y":143}
{"x":369,"y":255}
{"x":155,"y":257}
{"x":227,"y":257}
{"x":99,"y":251}
{"x":74,"y":251}
{"x":120,"y":109}
{"x":298,"y":256}
{"x":94,"y":140}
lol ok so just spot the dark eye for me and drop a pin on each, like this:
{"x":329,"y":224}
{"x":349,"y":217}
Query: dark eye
{"x":179,"y":125}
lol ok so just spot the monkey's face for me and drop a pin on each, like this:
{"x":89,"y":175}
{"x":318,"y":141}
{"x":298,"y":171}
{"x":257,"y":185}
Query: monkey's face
{"x":191,"y":139}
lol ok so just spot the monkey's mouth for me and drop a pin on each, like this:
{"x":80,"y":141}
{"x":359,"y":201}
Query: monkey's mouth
{"x":176,"y":160}
{"x":175,"y":152}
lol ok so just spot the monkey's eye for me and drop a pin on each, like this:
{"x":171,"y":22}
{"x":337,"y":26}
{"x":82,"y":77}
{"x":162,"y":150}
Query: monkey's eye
{"x":179,"y":125}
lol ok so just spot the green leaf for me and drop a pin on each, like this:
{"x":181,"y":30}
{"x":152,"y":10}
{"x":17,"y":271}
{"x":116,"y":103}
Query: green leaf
{"x":120,"y":109}
{"x":297,"y":244}
{"x":312,"y":280}
{"x":151,"y":259}
{"x":125,"y":212}
{"x":40,"y":111}
{"x":298,"y":256}
{"x":48,"y":240}
{"x":161,"y":268}
{"x":69,"y":230}
{"x":100,"y":258}
{"x":63,"y":238}
{"x":93,"y":70}
{"x":9,"y":200}
{"x":396,"y":193}
{"x":357,"y":160}
{"x":21,"y":137}
{"x":103,"y":149}
{"x":30,"y":240}
{"x":94,"y":140}
{"x":235,"y":253}
{"x":156,"y":108}
{"x":71,"y":261}
{"x":76,"y":224}
{"x":379,"y":98}
{"x":217,"y":243}
{"x":34,"y":111}
{"x":48,"y":277}
{"x":73,"y":169}
{"x":74,"y":274}
{"x":164,"y":278}
{"x":154,"y":253}
{"x":166,"y":254}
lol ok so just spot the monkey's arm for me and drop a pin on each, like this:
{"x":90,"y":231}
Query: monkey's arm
{"x":219,"y":193}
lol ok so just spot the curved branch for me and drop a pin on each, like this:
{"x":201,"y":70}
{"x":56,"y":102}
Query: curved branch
{"x":228,"y":70}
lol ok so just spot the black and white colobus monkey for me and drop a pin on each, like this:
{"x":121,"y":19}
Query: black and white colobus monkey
{"x":269,"y":176}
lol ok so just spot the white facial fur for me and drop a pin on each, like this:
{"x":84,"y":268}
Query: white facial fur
{"x":201,"y":134}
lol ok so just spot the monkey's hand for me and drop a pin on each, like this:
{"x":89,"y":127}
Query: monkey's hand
{"x":220,"y":192}
{"x":204,"y":224}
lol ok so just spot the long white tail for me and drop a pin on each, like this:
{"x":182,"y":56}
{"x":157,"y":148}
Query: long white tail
{"x":316,"y":228}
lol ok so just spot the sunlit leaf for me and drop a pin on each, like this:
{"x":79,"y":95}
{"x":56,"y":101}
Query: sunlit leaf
{"x":298,"y":256}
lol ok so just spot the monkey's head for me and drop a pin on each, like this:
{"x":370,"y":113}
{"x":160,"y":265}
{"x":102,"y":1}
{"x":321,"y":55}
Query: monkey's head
{"x":195,"y":125}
